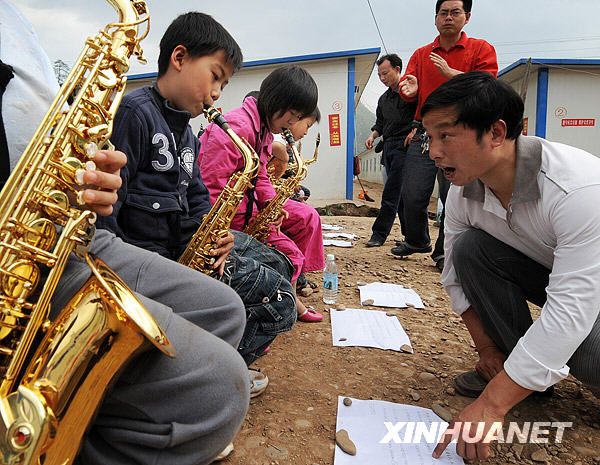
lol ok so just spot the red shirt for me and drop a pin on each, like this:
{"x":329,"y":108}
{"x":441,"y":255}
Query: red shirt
{"x":467,"y":55}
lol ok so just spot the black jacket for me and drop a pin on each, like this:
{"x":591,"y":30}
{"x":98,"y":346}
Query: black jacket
{"x":394,"y":115}
{"x":163,"y":198}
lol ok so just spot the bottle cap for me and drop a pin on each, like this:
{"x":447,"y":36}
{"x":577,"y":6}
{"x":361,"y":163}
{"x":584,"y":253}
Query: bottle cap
{"x":330,"y":256}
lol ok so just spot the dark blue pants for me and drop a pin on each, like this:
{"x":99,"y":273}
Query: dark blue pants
{"x":417,"y":186}
{"x":261,"y":277}
{"x":392,"y":159}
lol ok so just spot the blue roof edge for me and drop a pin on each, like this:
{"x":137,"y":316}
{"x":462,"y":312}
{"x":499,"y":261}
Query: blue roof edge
{"x":550,"y":62}
{"x":281,"y":60}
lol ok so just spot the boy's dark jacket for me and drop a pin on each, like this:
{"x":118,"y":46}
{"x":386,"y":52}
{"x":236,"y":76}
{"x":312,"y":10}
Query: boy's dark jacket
{"x":163,"y":198}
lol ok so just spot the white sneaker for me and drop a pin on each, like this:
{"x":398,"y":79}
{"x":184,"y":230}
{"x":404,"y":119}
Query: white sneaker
{"x":258,"y":382}
{"x":225,"y":453}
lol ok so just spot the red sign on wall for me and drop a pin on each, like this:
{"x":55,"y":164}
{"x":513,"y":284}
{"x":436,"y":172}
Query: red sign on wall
{"x":578,"y":122}
{"x":335,"y":134}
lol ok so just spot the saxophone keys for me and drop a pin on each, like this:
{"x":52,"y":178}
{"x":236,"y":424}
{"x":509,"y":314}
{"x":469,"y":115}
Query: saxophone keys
{"x":56,"y":204}
{"x":96,"y":132}
{"x":80,"y":199}
{"x":41,"y":233}
{"x":68,"y":169}
{"x":20,"y":278}
{"x":79,"y":176}
{"x":107,"y":79}
{"x":90,"y":149}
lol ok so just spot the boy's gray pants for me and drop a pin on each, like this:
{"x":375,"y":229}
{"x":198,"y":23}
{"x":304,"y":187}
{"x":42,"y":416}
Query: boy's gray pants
{"x":498,"y":281}
{"x":165,"y":411}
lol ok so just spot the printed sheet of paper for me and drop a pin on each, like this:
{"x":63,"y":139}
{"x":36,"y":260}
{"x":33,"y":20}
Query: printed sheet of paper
{"x":389,"y":295}
{"x":337,"y":243}
{"x":367,"y":328}
{"x":330,"y":227}
{"x":364,"y":421}
{"x":340,"y":234}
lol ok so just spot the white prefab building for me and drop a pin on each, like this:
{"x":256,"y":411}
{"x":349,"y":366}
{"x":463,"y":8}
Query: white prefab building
{"x":371,"y":168}
{"x":341,"y":78}
{"x":562,"y":101}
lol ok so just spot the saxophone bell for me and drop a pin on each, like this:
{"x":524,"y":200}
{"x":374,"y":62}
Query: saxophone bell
{"x":55,"y":373}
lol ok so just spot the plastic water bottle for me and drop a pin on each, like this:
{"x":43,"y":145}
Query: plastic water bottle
{"x":330,"y":280}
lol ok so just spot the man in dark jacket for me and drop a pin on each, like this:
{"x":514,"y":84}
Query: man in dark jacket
{"x":394,"y":118}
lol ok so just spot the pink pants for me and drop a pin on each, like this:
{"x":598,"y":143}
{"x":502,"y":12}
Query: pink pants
{"x":300,"y":238}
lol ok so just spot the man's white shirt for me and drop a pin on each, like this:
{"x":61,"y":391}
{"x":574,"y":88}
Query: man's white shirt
{"x":554,"y":219}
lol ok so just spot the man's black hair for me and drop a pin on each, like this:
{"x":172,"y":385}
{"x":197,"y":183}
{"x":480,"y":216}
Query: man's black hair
{"x":467,"y":5}
{"x":201,"y":35}
{"x":479,"y":100}
{"x":394,"y":60}
{"x":287,"y":88}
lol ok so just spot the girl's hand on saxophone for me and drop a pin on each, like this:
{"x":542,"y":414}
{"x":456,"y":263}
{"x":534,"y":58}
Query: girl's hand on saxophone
{"x":102,"y":183}
{"x":225,"y":245}
{"x":279,"y":221}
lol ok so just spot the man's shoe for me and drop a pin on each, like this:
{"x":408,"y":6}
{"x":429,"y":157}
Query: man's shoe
{"x":258,"y":382}
{"x":225,"y":453}
{"x":439,"y":264}
{"x":470,"y":384}
{"x":374,"y":242}
{"x":403,"y":249}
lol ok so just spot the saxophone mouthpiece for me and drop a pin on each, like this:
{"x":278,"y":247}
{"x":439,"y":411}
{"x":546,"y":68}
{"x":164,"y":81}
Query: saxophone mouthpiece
{"x":288,"y":137}
{"x":214,"y":116}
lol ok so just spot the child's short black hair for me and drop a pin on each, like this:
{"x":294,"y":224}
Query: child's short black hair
{"x":316,"y":114}
{"x":287,"y":88}
{"x":201,"y":35}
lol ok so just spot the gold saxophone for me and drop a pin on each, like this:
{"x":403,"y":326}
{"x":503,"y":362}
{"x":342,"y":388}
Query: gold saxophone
{"x":216,"y":223}
{"x":260,"y":226}
{"x":55,"y":373}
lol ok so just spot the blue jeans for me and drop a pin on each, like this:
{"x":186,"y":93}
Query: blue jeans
{"x":417,"y":185}
{"x":393,"y":157}
{"x":260,"y":276}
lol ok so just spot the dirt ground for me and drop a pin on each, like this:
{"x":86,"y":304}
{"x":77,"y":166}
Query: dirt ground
{"x":293,"y":422}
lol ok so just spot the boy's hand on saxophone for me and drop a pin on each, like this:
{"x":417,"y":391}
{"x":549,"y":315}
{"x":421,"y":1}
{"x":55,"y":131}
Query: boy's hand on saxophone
{"x":103,"y":182}
{"x":225,"y":245}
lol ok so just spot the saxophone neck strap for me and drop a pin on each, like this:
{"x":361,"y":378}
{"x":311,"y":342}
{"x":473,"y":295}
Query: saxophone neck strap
{"x":251,"y":191}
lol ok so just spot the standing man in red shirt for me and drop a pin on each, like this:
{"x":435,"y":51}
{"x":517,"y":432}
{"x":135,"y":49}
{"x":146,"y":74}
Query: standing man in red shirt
{"x":451,"y":53}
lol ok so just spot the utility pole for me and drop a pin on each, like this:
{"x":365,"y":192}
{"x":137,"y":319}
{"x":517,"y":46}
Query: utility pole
{"x":61,"y":71}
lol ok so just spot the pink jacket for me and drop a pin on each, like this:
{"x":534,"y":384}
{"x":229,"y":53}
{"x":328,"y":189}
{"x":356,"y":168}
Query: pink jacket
{"x":219,"y":158}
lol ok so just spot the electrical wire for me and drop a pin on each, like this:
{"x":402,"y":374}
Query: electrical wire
{"x":377,"y":26}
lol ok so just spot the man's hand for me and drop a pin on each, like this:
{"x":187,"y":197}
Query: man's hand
{"x":410,"y":137}
{"x":369,"y":142}
{"x":409,"y":86}
{"x":101,"y":184}
{"x":224,"y":248}
{"x":487,"y":412}
{"x":465,"y":425}
{"x":491,"y":362}
{"x":442,"y":66}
